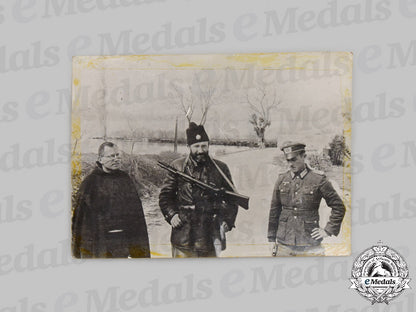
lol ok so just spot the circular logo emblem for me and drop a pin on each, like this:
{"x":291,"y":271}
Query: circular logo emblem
{"x":198,"y":137}
{"x":379,"y":274}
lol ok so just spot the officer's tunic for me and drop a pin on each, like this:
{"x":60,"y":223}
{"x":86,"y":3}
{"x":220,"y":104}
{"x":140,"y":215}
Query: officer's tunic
{"x":295,"y":204}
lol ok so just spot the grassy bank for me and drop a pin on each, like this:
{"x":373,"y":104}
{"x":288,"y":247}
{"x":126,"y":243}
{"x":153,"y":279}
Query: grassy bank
{"x":147,"y":176}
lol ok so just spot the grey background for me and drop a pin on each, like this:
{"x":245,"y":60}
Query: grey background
{"x":37,"y":273}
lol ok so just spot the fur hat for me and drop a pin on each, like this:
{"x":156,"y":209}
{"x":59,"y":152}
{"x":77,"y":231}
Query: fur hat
{"x":196,"y":134}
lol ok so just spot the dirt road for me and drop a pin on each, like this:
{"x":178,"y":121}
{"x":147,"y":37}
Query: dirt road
{"x":254,"y":173}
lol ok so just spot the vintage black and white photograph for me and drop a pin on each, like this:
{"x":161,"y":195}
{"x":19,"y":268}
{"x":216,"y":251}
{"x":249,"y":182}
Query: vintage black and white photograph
{"x":242,"y":155}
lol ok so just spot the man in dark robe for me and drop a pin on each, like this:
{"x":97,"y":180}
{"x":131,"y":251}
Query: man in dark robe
{"x":108,"y":219}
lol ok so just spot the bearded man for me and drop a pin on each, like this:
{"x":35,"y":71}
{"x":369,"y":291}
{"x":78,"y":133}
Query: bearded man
{"x":198,"y":221}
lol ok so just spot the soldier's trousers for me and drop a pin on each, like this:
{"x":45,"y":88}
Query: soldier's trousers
{"x":184,"y":253}
{"x":291,"y":251}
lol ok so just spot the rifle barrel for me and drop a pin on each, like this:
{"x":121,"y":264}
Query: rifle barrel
{"x":240,"y":200}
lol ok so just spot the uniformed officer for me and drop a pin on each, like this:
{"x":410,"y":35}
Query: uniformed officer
{"x":294,"y":216}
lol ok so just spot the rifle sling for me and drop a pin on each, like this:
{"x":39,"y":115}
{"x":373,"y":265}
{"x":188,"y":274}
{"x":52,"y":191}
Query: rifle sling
{"x":230,"y":184}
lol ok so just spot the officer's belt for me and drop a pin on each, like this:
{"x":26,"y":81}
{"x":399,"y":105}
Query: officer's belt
{"x":300,"y":211}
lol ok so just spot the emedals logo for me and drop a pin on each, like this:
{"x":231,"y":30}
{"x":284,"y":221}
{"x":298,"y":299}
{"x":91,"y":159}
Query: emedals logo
{"x":379,"y":274}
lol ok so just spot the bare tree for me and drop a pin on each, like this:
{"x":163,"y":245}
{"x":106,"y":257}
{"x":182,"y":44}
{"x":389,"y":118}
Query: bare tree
{"x":101,"y":108}
{"x":133,"y":134}
{"x":186,"y":103}
{"x":261,"y":103}
{"x":206,"y":99}
{"x":196,"y":94}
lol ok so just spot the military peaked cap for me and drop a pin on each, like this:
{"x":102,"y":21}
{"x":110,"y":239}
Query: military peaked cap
{"x":292,"y":149}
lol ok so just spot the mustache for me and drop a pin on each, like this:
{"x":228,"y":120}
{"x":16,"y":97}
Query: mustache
{"x":200,"y":156}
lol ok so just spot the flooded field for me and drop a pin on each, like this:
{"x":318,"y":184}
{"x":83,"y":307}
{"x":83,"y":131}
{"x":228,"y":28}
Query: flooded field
{"x":143,"y":148}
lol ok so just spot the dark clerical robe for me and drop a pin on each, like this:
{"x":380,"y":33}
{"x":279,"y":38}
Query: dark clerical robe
{"x":108,"y":219}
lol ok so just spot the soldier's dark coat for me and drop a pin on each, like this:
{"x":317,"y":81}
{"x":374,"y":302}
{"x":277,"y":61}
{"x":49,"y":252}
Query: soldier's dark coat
{"x":200,"y":214}
{"x":107,"y":202}
{"x":294,"y":208}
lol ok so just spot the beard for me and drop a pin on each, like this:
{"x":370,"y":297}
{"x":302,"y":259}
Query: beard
{"x":200,"y":158}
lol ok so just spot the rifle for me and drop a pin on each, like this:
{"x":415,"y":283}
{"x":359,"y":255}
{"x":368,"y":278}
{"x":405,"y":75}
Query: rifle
{"x":240,"y":200}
